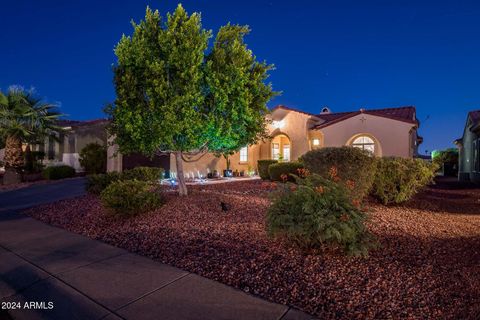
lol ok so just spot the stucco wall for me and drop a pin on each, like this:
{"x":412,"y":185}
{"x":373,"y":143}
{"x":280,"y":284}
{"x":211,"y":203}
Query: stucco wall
{"x":209,"y":163}
{"x":295,"y":127}
{"x":393,"y":137}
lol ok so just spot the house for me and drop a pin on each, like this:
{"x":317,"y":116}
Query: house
{"x":293,"y":132}
{"x":469,"y":149}
{"x":384,"y":132}
{"x":66,"y":148}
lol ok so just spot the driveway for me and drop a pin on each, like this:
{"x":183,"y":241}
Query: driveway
{"x":42,"y":194}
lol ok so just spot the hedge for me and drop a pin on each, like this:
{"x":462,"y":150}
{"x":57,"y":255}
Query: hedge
{"x":398,"y":179}
{"x":58,"y":172}
{"x":351,"y":165}
{"x":276,"y":170}
{"x":263,"y":168}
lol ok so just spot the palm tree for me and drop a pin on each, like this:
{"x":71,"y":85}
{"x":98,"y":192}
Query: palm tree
{"x":24,"y":118}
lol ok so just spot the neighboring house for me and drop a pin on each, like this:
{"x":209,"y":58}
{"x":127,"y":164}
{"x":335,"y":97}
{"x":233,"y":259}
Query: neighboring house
{"x":66,"y":148}
{"x":469,"y":149}
{"x":384,"y":132}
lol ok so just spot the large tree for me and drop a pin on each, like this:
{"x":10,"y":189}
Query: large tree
{"x":237,"y":93}
{"x":172,"y":97}
{"x":24,"y":119}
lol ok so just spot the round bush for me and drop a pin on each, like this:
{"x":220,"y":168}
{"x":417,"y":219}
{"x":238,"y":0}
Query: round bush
{"x":318,"y":212}
{"x":93,"y":158}
{"x":96,"y":183}
{"x":130,"y":197}
{"x":350,"y":164}
{"x":398,"y":180}
{"x":58,"y":172}
{"x":278,"y":171}
{"x":263,"y":168}
{"x":150,"y":174}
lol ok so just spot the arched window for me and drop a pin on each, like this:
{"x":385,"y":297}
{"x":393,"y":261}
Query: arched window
{"x":365,"y":143}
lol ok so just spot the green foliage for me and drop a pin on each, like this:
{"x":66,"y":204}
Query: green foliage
{"x":283,"y":171}
{"x":237,"y":95}
{"x":58,"y":172}
{"x":351,"y":164}
{"x":318,"y":212}
{"x":96,"y":183}
{"x":93,"y":158}
{"x":263,"y":168}
{"x":148,"y":174}
{"x":130,"y":197}
{"x":398,"y":180}
{"x":447,"y":158}
{"x":173,"y":97}
{"x":158,"y":82}
{"x":24,"y":118}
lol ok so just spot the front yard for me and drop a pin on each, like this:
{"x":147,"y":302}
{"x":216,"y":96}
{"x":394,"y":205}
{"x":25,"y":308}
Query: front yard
{"x":427,"y":264}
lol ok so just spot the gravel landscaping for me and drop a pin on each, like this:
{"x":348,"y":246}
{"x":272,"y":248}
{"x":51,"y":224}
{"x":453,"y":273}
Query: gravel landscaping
{"x":427,"y":264}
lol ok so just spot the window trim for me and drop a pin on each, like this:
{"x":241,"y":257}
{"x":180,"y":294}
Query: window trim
{"x":245,"y":155}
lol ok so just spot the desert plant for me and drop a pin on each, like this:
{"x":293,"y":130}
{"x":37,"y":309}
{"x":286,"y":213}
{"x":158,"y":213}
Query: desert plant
{"x":58,"y":172}
{"x":130,"y":197}
{"x":284,"y":171}
{"x":318,"y":212}
{"x":398,"y":179}
{"x":352,"y":164}
{"x":263,"y":168}
{"x":93,"y":158}
{"x":149,"y":174}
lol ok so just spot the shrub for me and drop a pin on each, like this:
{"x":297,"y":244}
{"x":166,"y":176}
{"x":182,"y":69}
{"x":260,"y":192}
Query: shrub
{"x":318,"y":212}
{"x":283,"y":171}
{"x":93,"y":158}
{"x":58,"y":172}
{"x":263,"y":168}
{"x":96,"y":183}
{"x":149,"y":174}
{"x":352,"y":164}
{"x":130,"y":197}
{"x":398,"y":179}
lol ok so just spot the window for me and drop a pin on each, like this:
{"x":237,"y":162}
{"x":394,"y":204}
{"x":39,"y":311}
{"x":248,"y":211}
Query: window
{"x":286,"y":152}
{"x":244,"y":154}
{"x":365,"y":143}
{"x":275,"y":151}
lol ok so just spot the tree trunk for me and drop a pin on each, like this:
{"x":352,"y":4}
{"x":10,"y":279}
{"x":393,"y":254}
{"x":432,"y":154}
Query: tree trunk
{"x":13,"y":153}
{"x":182,"y":186}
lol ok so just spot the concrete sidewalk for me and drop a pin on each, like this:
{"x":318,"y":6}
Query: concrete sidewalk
{"x":69,"y":276}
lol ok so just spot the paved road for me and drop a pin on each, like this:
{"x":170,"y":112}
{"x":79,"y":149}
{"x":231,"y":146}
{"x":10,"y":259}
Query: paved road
{"x":41,"y":194}
{"x":69,"y":276}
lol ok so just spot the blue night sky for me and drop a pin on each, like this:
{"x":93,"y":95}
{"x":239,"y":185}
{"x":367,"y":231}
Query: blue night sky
{"x":346,"y":55}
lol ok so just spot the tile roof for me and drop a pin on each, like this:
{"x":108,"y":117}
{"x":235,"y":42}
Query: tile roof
{"x":405,"y":114}
{"x":474,"y":115}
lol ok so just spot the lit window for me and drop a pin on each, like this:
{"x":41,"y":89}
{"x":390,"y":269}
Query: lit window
{"x":316,"y":142}
{"x":244,"y":154}
{"x":365,"y":143}
{"x":275,"y":151}
{"x":286,"y":152}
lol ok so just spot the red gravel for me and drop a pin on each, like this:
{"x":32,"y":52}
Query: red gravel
{"x":427,"y":267}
